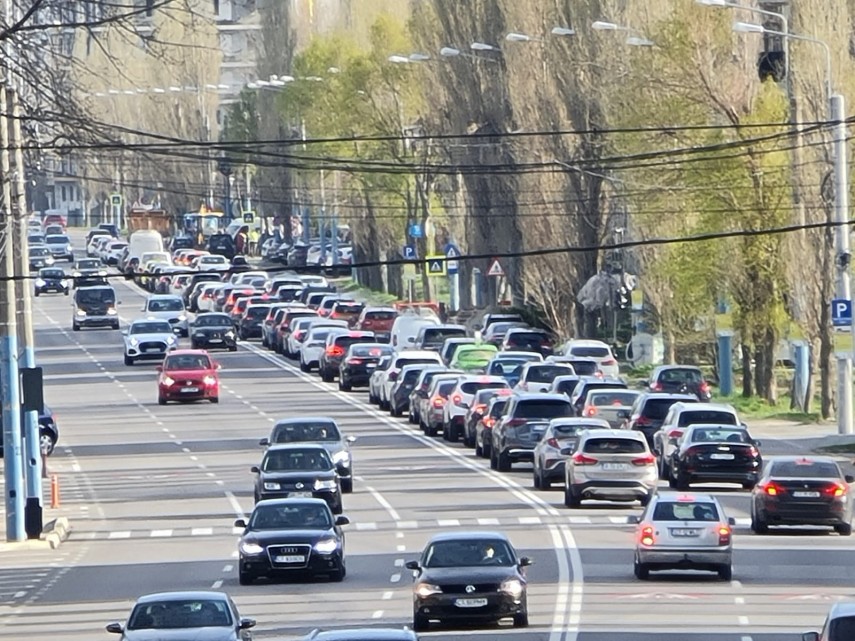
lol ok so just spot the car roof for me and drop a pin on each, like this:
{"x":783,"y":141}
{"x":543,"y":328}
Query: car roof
{"x":292,"y":501}
{"x":297,"y":420}
{"x":579,"y":420}
{"x":466,"y":535}
{"x":188,"y":352}
{"x":719,"y":407}
{"x":305,"y":445}
{"x":541,"y":396}
{"x":675,"y":497}
{"x":597,"y":379}
{"x":842,"y":609}
{"x":716,"y":426}
{"x":667,"y":396}
{"x":586,"y":342}
{"x":662,"y":368}
{"x":183,"y":595}
{"x":613,"y":433}
{"x":362,"y":634}
{"x":482,"y":378}
{"x":417,"y":353}
{"x":165,"y":297}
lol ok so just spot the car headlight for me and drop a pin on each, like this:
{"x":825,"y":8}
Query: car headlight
{"x":250,"y":549}
{"x":49,"y":260}
{"x":326,"y":546}
{"x":182,"y":317}
{"x":81,"y":312}
{"x":169,"y":382}
{"x":269,"y":485}
{"x":134,"y":341}
{"x":102,"y":272}
{"x":76,"y":274}
{"x":63,"y":283}
{"x":170,"y":340}
{"x":320,"y":484}
{"x":112,"y":311}
{"x":230,"y":334}
{"x":209,"y":380}
{"x":341,"y":458}
{"x":427,"y":589}
{"x":514,"y":587}
{"x":40,"y":282}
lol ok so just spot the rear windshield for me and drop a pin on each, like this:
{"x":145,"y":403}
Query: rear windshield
{"x":445,"y":388}
{"x":706,"y":416}
{"x":685,"y":511}
{"x":346,"y":341}
{"x":371,"y":351}
{"x":544,"y":409}
{"x":805,"y":468}
{"x":414,"y":361}
{"x":348,"y":308}
{"x":498,"y":408}
{"x":592,"y":352}
{"x":528,"y":339}
{"x":474,"y":354}
{"x":612,"y":398}
{"x":680,"y":376}
{"x":565,"y":431}
{"x":545,"y":373}
{"x":657,"y":408}
{"x":381,"y":315}
{"x":471,"y":388}
{"x":614,"y":446}
{"x":715,"y":435}
{"x":315,"y":299}
{"x":257,"y":311}
{"x":585,"y":368}
{"x":439,"y":334}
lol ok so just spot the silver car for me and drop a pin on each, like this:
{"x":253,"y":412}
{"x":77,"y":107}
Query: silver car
{"x":610,"y":405}
{"x":683,"y":532}
{"x":525,"y":420}
{"x":60,"y":247}
{"x":148,"y":340}
{"x":557,"y":444}
{"x":170,"y":308}
{"x":314,"y":345}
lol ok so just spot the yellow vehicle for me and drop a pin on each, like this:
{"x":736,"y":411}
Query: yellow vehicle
{"x":473,"y":358}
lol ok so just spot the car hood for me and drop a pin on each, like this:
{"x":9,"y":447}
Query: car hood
{"x":178,"y":634}
{"x":275,"y":537}
{"x":476,"y":574}
{"x":189,"y":373}
{"x":149,"y":337}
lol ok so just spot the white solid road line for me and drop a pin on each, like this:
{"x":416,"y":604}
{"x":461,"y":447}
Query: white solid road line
{"x":235,"y":505}
{"x":384,"y":503}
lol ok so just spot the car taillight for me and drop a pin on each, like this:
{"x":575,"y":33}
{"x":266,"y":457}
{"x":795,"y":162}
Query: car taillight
{"x":836,"y":489}
{"x":656,"y":386}
{"x":334,"y":350}
{"x":582,"y":459}
{"x":693,"y":451}
{"x":753,"y":452}
{"x":772,"y":489}
{"x":647,"y":459}
{"x":590,"y":411}
{"x":553,"y":442}
{"x":647,"y":535}
{"x":479,"y":408}
{"x":354,"y":361}
{"x":610,"y":361}
{"x":457,"y":399}
{"x":723,"y":534}
{"x":437,"y":401}
{"x":489,"y":421}
{"x":643,"y":420}
{"x":516,"y":422}
{"x":675,"y":433}
{"x":299,"y":334}
{"x":367,"y":323}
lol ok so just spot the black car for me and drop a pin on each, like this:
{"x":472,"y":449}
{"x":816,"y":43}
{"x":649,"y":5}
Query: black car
{"x":709,"y":453}
{"x":48,"y":431}
{"x":298,"y":471}
{"x":291,"y":536}
{"x":221,"y":244}
{"x":110,"y":228}
{"x":582,"y":366}
{"x":405,"y":384}
{"x":359,"y":363}
{"x":469,"y":577}
{"x":297,"y":255}
{"x":363,"y":634}
{"x":40,"y":256}
{"x":802,"y":490}
{"x":322,"y":431}
{"x":680,"y":379}
{"x":649,"y":411}
{"x":212,"y":329}
{"x":335,"y":350}
{"x":182,"y":241}
{"x":249,"y":324}
{"x":51,"y":279}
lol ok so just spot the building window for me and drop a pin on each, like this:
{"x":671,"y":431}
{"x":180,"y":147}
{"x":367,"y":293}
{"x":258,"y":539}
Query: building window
{"x":216,"y":7}
{"x":149,"y":8}
{"x":62,"y":193}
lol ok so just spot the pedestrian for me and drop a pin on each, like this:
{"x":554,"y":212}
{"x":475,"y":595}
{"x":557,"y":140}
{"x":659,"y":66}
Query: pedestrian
{"x":253,"y":241}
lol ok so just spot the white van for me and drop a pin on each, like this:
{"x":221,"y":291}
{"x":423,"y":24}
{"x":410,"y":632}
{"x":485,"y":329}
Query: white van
{"x":144,"y":241}
{"x":406,"y":327}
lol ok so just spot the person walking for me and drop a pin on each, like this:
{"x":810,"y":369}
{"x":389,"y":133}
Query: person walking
{"x":253,"y":241}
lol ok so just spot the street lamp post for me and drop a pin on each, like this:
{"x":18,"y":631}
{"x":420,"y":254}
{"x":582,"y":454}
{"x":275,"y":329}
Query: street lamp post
{"x":224,"y":166}
{"x":634,"y":39}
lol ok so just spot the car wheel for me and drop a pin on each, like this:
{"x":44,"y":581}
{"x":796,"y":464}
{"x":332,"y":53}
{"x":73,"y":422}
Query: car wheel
{"x":46,"y":444}
{"x":430,"y":430}
{"x":725,"y":572}
{"x":641,"y":571}
{"x":245,"y":578}
{"x":843,"y":529}
{"x":116,"y":325}
{"x":161,"y":400}
{"x":420,"y":623}
{"x":75,"y":327}
{"x":344,"y":387}
{"x":337,"y":575}
{"x":347,"y":485}
{"x":36,"y":293}
{"x":538,"y":484}
{"x":479,"y":451}
{"x":214,"y":399}
{"x":487,"y":449}
{"x":521,"y":620}
{"x":664,"y":472}
{"x":325,"y":376}
{"x":371,"y":398}
{"x":494,"y":463}
{"x":129,"y":360}
{"x":571,"y":499}
{"x":504,"y":462}
{"x":65,"y":291}
{"x":758,"y":525}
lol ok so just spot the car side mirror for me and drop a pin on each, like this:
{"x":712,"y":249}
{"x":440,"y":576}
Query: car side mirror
{"x":265,"y":441}
{"x":240,"y":523}
{"x":744,"y":426}
{"x":849,"y":478}
{"x":254,"y":469}
{"x":342,"y":520}
{"x":525,"y":561}
{"x":350,"y":439}
{"x":731,"y":521}
{"x":465,"y":406}
{"x":411,"y":339}
{"x":124,"y":332}
{"x":246,"y":624}
{"x":810,"y":636}
{"x":633,"y":519}
{"x":115,"y":628}
{"x":412,"y":565}
{"x":159,"y":368}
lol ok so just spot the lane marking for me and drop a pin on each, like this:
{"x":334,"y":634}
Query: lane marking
{"x":388,"y":595}
{"x":402,"y":548}
{"x":366,"y":526}
{"x":235,"y":505}
{"x":448,"y":522}
{"x":408,"y":525}
{"x":530,"y":520}
{"x":228,"y":568}
{"x":395,"y":578}
{"x":119,"y":535}
{"x":216,"y":585}
{"x":384,"y":503}
{"x":489,"y":521}
{"x":161,"y":533}
{"x":743,"y":620}
{"x":377,"y":614}
{"x":399,"y":563}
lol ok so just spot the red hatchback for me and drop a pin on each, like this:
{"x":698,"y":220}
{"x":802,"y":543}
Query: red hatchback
{"x":188,"y":375}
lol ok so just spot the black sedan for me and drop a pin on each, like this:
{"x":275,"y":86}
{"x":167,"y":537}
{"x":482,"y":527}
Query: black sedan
{"x":715,"y":453}
{"x":51,"y":279}
{"x":48,"y":431}
{"x":211,"y":330}
{"x":469,"y":577}
{"x":200,"y":616}
{"x":359,"y":363}
{"x":291,"y":536}
{"x":802,"y":491}
{"x":298,"y":471}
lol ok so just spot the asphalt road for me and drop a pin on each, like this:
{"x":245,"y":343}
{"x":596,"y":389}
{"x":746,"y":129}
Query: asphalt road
{"x":152,"y":493}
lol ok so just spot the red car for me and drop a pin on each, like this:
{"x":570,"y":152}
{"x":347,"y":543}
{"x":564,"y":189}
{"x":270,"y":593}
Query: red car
{"x":188,"y":375}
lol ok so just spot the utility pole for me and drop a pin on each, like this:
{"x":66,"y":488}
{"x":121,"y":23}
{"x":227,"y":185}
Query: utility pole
{"x":9,"y":386}
{"x":322,"y":225}
{"x":23,"y":286}
{"x":334,"y":241}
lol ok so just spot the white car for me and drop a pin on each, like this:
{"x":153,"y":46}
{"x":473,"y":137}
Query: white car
{"x":245,"y":278}
{"x":538,"y":376}
{"x":169,"y":308}
{"x":454,"y":411}
{"x":112,"y":252}
{"x":211,"y":263}
{"x":390,"y":375}
{"x":92,"y":245}
{"x":206,"y":298}
{"x":148,"y":340}
{"x":60,"y":247}
{"x":315,"y":343}
{"x":314,"y":281}
{"x":597,"y":351}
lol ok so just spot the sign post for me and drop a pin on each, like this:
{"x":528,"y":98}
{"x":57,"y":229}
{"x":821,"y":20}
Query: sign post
{"x":452,"y":267}
{"x":116,"y":204}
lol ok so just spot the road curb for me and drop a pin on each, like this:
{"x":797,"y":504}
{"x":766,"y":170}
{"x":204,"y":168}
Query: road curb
{"x":54,"y":533}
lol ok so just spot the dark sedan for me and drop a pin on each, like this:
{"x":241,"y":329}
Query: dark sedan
{"x":200,"y":616}
{"x":88,"y":272}
{"x":335,"y":349}
{"x":291,"y":537}
{"x":803,"y":490}
{"x":715,"y":453}
{"x":298,"y":471}
{"x":48,"y":431}
{"x":469,"y":577}
{"x":359,"y":363}
{"x":51,"y":279}
{"x":212,"y":330}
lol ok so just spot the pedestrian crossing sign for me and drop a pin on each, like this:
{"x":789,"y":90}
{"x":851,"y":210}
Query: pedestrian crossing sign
{"x":435,"y":265}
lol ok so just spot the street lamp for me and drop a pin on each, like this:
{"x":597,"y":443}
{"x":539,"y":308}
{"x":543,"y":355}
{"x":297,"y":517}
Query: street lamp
{"x":635,"y":39}
{"x":481,"y":46}
{"x":449,"y":52}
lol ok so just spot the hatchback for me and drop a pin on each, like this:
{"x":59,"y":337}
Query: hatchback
{"x":597,"y":351}
{"x":522,"y":426}
{"x":680,"y":379}
{"x":558,"y":442}
{"x":188,"y":375}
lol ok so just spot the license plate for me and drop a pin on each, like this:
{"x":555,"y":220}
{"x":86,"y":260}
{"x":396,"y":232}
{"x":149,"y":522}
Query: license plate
{"x":470,"y":603}
{"x":189,"y":390}
{"x":806,"y":495}
{"x":299,"y":495}
{"x":370,"y":366}
{"x":612,"y":467}
{"x":684,"y":532}
{"x":722,"y":457}
{"x":215,"y":340}
{"x":290,"y":558}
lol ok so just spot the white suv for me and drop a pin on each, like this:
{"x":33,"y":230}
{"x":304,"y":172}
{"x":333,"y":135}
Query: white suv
{"x":454,"y":412}
{"x":390,"y":375}
{"x":596,"y":351}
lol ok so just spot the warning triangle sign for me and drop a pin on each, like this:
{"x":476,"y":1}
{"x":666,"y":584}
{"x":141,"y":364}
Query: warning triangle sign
{"x":495,"y":268}
{"x":436,"y":265}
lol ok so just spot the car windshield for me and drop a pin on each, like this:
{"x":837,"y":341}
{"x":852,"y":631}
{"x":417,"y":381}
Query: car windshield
{"x":544,"y":409}
{"x":621,"y":399}
{"x":212,"y":320}
{"x":257,"y":311}
{"x":96,"y":297}
{"x":437,"y":335}
{"x":52,"y":273}
{"x":680,"y":376}
{"x":151,"y":328}
{"x":545,"y":373}
{"x":290,"y":517}
{"x":566,"y":386}
{"x":39,"y":251}
{"x":614,"y":445}
{"x":527,"y":339}
{"x":718,"y":435}
{"x":187,"y":362}
{"x":88,"y":264}
{"x":166,"y":305}
{"x":469,"y":553}
{"x":805,"y":468}
{"x":685,"y":511}
{"x":657,"y":408}
{"x":706,"y":416}
{"x":584,"y":368}
{"x":56,"y":239}
{"x":444,"y":388}
{"x":589,"y":351}
{"x":303,"y":432}
{"x":370,"y":351}
{"x":177,"y":614}
{"x":293,"y":460}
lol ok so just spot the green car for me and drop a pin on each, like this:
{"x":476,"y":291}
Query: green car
{"x":473,"y":358}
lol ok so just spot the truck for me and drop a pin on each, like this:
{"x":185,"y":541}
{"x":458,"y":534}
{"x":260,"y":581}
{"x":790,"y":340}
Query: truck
{"x":149,"y":218}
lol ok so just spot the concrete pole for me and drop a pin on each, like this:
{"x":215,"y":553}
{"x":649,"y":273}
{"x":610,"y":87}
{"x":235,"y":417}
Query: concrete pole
{"x":24,"y":287}
{"x":841,"y":218}
{"x":322,"y":229}
{"x":9,"y":384}
{"x":725,"y":363}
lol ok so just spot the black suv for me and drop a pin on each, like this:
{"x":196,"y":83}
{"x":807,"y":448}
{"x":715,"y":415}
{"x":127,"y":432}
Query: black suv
{"x":298,"y":471}
{"x":680,"y":379}
{"x":359,"y":363}
{"x":524,"y":422}
{"x":221,"y":244}
{"x":649,"y":410}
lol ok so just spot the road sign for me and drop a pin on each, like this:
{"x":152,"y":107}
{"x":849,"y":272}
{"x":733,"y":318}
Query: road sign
{"x":116,"y":200}
{"x":409,"y":252}
{"x":451,"y":266}
{"x":495,"y":268}
{"x":435,"y":265}
{"x":841,"y":312}
{"x":249,"y":217}
{"x":416,"y":230}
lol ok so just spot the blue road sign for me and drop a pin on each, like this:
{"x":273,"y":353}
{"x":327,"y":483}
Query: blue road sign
{"x":409,"y":252}
{"x":841,"y":312}
{"x":415,"y":230}
{"x":451,"y":252}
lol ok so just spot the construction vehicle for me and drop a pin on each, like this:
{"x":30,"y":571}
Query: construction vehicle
{"x":149,"y":218}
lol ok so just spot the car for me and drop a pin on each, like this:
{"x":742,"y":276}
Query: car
{"x":611,"y":405}
{"x":94,"y":307}
{"x":346,"y":310}
{"x":359,"y":362}
{"x":522,"y":425}
{"x":202,"y":297}
{"x":112,"y":252}
{"x":399,"y":400}
{"x":389,"y":375}
{"x":212,"y":329}
{"x":222,"y":245}
{"x":181,"y":241}
{"x":611,"y":465}
{"x":169,"y":308}
{"x":420,"y":391}
{"x":201,"y":616}
{"x":556,"y":444}
{"x":484,"y":428}
{"x":680,"y":379}
{"x":378,"y":320}
{"x":431,"y":412}
{"x":298,"y":329}
{"x":91,"y":239}
{"x":330,"y":300}
{"x":284,"y":537}
{"x":51,"y":279}
{"x":271,"y":321}
{"x":473,"y":358}
{"x":334,"y":350}
{"x":323,"y":431}
{"x":502,"y":317}
{"x":680,"y":416}
{"x":564,"y":384}
{"x":362,"y":634}
{"x":460,"y":400}
{"x":537,"y":377}
{"x":406,"y":327}
{"x":210,"y":263}
{"x":88,"y":272}
{"x":148,"y":340}
{"x":315,"y":342}
{"x":40,"y":256}
{"x":48,"y":431}
{"x":469,"y":577}
{"x":110,"y":228}
{"x":193,"y":285}
{"x":432,"y":337}
{"x":802,"y":490}
{"x":683,"y":532}
{"x":649,"y":411}
{"x":283,"y":331}
{"x":476,"y":411}
{"x":525,"y":339}
{"x":707,"y":452}
{"x":839,"y":624}
{"x":298,"y":470}
{"x":287,"y":294}
{"x":587,"y":384}
{"x":59,"y":246}
{"x":249,"y":325}
{"x":241,"y":305}
{"x":509,"y":365}
{"x":582,"y":366}
{"x":450,"y":345}
{"x":495,"y":332}
{"x":594,"y":350}
{"x":188,"y":375}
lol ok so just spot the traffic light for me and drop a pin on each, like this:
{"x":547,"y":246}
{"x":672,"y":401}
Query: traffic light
{"x":622,"y":300}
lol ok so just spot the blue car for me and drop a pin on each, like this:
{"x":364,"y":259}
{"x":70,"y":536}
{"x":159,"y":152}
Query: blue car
{"x":48,"y":431}
{"x":51,"y":279}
